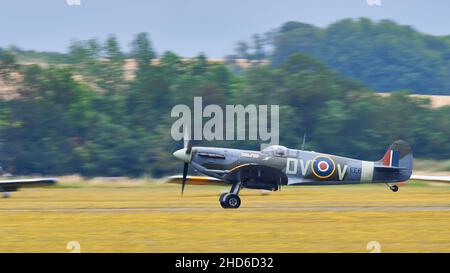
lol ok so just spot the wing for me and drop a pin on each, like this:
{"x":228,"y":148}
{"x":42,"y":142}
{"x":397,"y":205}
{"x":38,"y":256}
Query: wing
{"x":256,"y":176}
{"x":431,"y":178}
{"x":12,"y":185}
{"x":195,"y":180}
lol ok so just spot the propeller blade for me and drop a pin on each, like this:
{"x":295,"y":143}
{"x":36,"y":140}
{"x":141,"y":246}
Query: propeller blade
{"x":185,"y":170}
{"x":187,"y":140}
{"x":189,"y":147}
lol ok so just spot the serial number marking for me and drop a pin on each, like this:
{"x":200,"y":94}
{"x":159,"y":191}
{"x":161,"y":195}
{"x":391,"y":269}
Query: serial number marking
{"x":246,"y":262}
{"x":229,"y":262}
{"x":251,"y":155}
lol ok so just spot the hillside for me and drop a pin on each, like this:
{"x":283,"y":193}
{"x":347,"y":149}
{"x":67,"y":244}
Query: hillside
{"x":384,"y":55}
{"x":38,"y":57}
{"x":436,"y":101}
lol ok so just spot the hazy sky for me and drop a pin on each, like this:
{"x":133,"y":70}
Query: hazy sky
{"x":188,"y":27}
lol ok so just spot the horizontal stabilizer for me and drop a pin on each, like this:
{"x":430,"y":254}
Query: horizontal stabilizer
{"x":389,"y":168}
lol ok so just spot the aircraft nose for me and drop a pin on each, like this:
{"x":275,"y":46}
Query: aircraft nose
{"x":182,"y":155}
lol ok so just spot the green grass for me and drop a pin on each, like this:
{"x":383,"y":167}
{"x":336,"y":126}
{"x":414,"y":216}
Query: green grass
{"x":155,"y":218}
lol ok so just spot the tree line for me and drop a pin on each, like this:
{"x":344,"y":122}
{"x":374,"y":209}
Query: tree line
{"x":85,"y":117}
{"x":384,"y":55}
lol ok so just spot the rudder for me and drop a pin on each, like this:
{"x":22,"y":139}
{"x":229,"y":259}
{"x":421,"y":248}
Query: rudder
{"x":400,"y":155}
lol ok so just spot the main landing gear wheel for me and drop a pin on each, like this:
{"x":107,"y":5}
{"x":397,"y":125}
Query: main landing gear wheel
{"x":230,"y":201}
{"x":6,"y":195}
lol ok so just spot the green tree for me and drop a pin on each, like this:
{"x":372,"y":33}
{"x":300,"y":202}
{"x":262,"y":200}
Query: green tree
{"x":384,"y":55}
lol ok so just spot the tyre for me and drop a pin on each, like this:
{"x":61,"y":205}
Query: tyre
{"x":222,"y":200}
{"x":230,"y":201}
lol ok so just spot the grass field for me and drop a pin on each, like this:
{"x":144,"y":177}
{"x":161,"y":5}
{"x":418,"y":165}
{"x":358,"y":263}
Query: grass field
{"x":154,"y":218}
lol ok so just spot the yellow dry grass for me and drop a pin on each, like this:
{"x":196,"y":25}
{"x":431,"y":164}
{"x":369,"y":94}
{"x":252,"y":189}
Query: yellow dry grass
{"x":155,"y":218}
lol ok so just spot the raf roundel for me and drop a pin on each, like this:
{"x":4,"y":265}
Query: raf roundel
{"x":323,"y":167}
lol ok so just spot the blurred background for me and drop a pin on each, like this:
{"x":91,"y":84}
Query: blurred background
{"x":86,"y":87}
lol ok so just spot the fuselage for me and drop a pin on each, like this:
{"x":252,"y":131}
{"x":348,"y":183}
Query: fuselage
{"x":276,"y":165}
{"x":301,"y":167}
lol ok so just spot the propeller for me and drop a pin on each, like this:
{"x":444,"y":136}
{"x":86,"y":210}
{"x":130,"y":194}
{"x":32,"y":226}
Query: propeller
{"x":187,"y":150}
{"x":188,"y":144}
{"x":185,"y":171}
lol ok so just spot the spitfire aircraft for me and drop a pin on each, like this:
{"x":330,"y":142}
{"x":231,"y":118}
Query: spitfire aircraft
{"x":7,"y":186}
{"x":276,"y":166}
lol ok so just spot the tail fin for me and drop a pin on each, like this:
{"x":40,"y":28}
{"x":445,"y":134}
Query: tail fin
{"x":399,"y":155}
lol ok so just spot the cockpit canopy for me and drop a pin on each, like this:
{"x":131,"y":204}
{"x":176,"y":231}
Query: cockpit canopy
{"x":276,"y":150}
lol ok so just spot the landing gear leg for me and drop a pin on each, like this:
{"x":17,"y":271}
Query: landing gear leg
{"x":231,"y":200}
{"x":393,"y":188}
